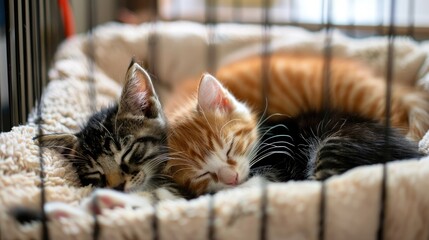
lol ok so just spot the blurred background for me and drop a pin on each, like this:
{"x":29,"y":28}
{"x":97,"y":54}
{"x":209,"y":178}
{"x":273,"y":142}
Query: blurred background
{"x":30,"y":31}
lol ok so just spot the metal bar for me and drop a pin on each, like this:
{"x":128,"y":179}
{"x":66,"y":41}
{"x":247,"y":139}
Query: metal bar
{"x":293,"y":10}
{"x":11,"y":56}
{"x":327,"y":10}
{"x":210,"y":22}
{"x":237,"y":14}
{"x":43,"y":5}
{"x":380,"y":14}
{"x":19,"y":62}
{"x":48,"y":34}
{"x":96,"y":227}
{"x":352,"y":29}
{"x":322,"y":210}
{"x":27,"y":59}
{"x":387,"y":153}
{"x":155,"y":223}
{"x":34,"y":51}
{"x":9,"y":33}
{"x":91,"y":17}
{"x":264,"y":215}
{"x":153,"y":66}
{"x":265,"y":78}
{"x":327,"y":56}
{"x":411,"y":20}
{"x":211,"y":234}
{"x":265,"y":56}
{"x":153,"y":40}
{"x":39,"y":121}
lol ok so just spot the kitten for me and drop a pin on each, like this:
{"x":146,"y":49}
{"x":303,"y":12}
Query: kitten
{"x":295,"y":86}
{"x":212,"y":137}
{"x":214,"y":143}
{"x":318,"y":145}
{"x":122,"y":147}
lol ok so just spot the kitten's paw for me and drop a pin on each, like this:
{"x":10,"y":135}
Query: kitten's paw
{"x":165,"y":194}
{"x":59,"y":210}
{"x":110,"y":199}
{"x":53,"y":211}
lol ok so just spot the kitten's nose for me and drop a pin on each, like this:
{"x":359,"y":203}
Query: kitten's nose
{"x":114,"y":179}
{"x":228,"y":176}
{"x":120,"y":187}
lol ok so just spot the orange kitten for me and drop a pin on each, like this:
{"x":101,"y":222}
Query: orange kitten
{"x":295,"y":85}
{"x":212,"y":137}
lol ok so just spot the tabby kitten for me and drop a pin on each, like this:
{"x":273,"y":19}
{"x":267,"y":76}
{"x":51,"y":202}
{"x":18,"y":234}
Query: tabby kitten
{"x":318,"y":145}
{"x":121,"y":147}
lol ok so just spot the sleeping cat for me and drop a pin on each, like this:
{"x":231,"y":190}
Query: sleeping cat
{"x":122,"y":147}
{"x":295,"y":86}
{"x":214,"y":143}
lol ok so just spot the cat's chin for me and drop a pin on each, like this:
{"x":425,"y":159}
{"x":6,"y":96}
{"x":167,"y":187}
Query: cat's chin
{"x":221,"y":186}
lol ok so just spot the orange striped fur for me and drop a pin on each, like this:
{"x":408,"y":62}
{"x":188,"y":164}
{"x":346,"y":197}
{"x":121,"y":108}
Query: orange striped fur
{"x":206,"y":141}
{"x":295,"y":86}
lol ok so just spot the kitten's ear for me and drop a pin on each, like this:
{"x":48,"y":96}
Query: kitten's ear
{"x":63,"y":143}
{"x":213,"y":96}
{"x":138,"y":95}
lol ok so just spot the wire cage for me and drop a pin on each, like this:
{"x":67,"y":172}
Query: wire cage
{"x":32,"y":30}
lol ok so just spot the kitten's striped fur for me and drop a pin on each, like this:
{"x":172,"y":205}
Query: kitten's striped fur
{"x":211,"y":138}
{"x":295,"y":86}
{"x":122,"y":147}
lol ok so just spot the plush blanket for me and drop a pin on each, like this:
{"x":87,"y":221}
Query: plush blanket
{"x":292,"y":210}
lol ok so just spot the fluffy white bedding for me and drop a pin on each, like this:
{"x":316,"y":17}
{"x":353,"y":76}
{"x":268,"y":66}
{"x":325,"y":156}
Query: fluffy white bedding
{"x":352,"y":200}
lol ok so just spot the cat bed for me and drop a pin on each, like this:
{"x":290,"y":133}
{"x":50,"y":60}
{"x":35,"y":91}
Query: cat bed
{"x":291,"y":210}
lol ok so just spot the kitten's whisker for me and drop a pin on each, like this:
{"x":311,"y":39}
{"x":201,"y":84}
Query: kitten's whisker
{"x":278,"y":136}
{"x":75,"y":157}
{"x":263,"y":147}
{"x":273,"y":144}
{"x":156,"y":162}
{"x":104,"y":127}
{"x":67,"y":148}
{"x":271,"y":150}
{"x":185,"y":164}
{"x":256,"y":147}
{"x":182,"y":169}
{"x":267,"y":155}
{"x":263,"y":120}
{"x":273,"y":127}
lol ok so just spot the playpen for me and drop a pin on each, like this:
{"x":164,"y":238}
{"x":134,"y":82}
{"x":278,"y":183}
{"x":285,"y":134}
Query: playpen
{"x":42,"y":83}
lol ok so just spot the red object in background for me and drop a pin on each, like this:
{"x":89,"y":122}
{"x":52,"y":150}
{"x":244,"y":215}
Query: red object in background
{"x":67,"y":16}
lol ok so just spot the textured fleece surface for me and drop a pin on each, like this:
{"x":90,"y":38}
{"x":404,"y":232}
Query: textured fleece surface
{"x":293,"y":208}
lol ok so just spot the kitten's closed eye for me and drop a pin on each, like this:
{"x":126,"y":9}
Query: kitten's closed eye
{"x":211,"y":143}
{"x":202,"y":175}
{"x":96,"y":179}
{"x":125,"y":168}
